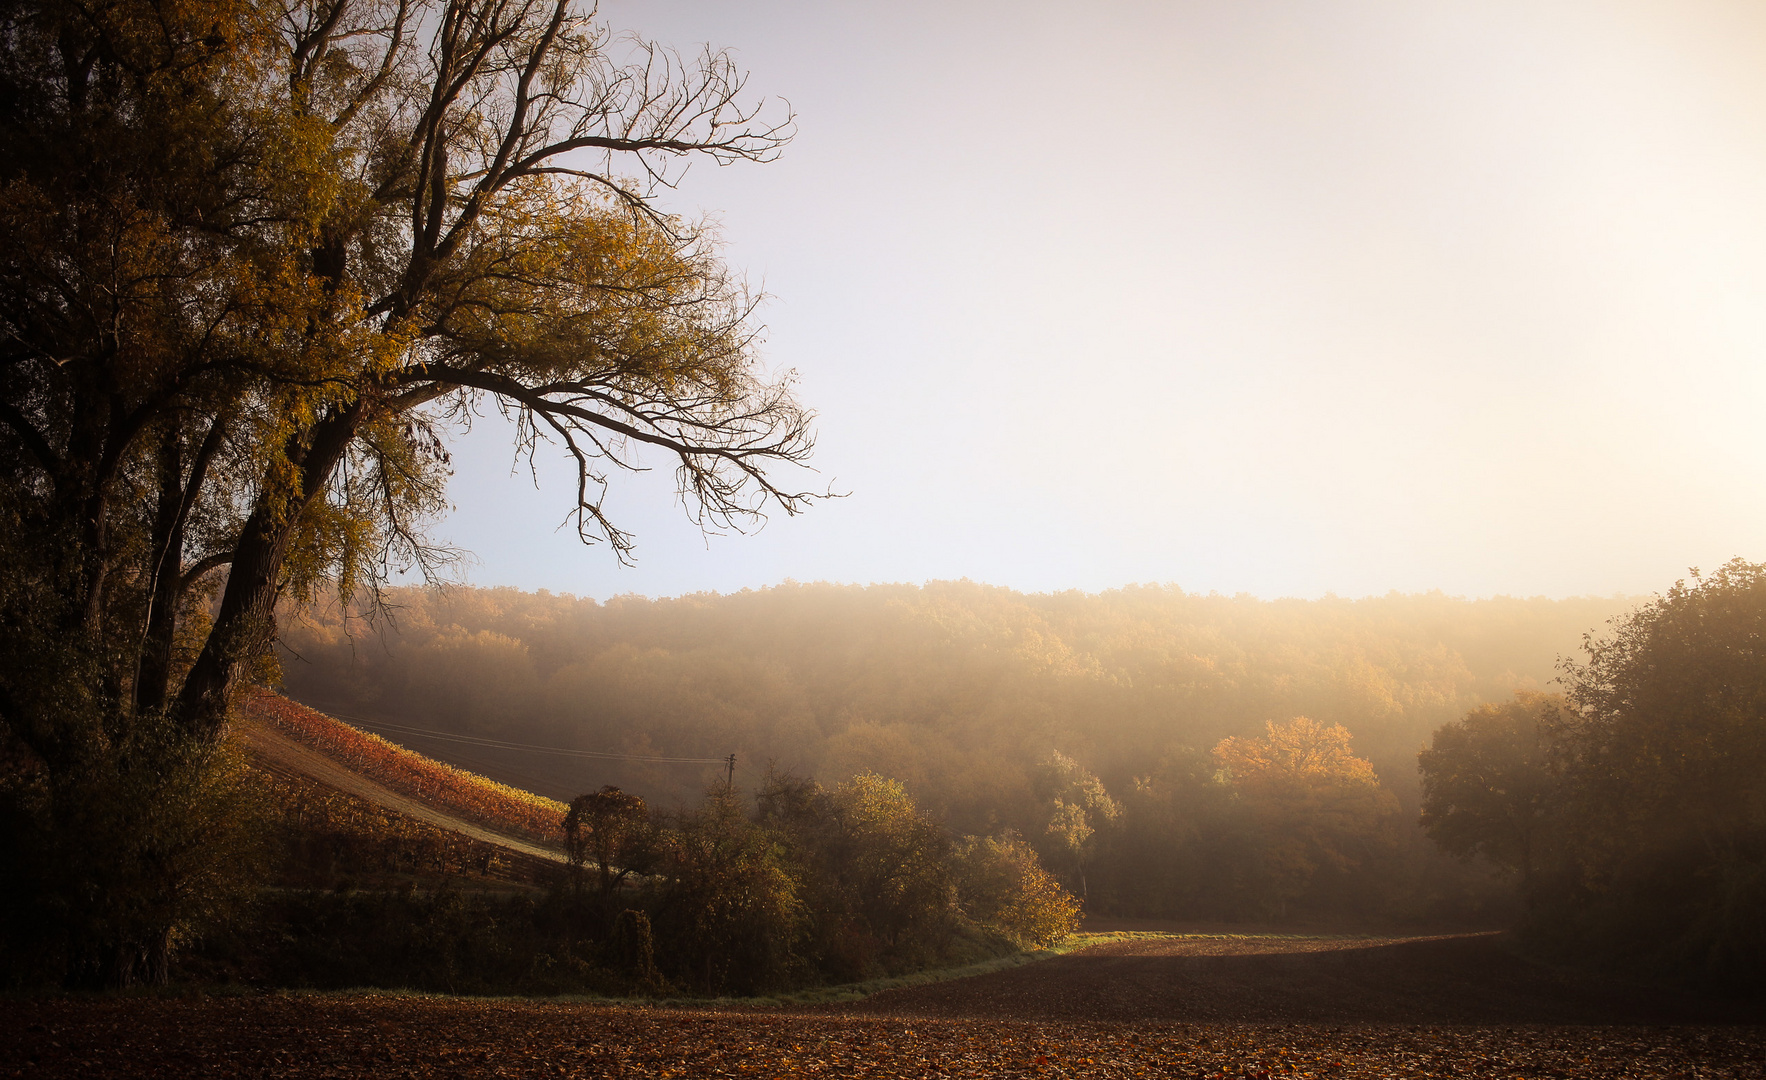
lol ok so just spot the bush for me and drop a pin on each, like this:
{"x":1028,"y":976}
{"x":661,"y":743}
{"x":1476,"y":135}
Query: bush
{"x":729,"y":917}
{"x":152,"y":840}
{"x":1001,"y":886}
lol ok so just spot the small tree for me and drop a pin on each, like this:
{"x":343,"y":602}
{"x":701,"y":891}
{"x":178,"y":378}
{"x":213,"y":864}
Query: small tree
{"x":731,"y":913}
{"x":1488,"y":785}
{"x":875,"y":870}
{"x":1311,"y":804}
{"x":1001,"y":885}
{"x":891,"y":860}
{"x":613,"y":828}
{"x":1077,"y":806}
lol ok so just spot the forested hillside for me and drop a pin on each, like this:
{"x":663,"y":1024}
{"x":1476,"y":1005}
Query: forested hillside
{"x":963,"y":692}
{"x":955,"y":688}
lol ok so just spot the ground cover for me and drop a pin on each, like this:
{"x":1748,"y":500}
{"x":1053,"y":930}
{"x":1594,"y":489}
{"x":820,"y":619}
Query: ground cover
{"x":1401,"y":1008}
{"x":1331,"y":979}
{"x":343,"y":1036}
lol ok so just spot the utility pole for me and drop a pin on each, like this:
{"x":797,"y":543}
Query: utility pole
{"x":730,"y":772}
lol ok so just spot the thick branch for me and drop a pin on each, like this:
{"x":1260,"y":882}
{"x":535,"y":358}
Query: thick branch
{"x":504,"y":386}
{"x":32,"y":438}
{"x":197,"y":569}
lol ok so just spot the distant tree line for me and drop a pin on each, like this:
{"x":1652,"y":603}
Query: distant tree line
{"x":1144,"y":741}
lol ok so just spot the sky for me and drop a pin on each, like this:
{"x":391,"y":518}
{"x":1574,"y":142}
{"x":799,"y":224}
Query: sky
{"x":1242,"y":296}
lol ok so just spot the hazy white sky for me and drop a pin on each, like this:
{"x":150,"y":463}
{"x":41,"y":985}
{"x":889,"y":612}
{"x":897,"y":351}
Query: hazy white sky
{"x":1282,"y":298}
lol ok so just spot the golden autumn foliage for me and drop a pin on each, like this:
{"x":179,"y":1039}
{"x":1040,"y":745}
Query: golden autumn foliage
{"x":1001,"y":884}
{"x":948,"y":687}
{"x":1313,"y":805}
{"x":966,"y":694}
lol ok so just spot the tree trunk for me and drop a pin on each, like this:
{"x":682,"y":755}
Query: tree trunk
{"x":166,"y":583}
{"x":154,"y":670}
{"x":247,"y":619}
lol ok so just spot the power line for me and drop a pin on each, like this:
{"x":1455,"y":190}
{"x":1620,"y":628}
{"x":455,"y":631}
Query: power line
{"x":500,"y":744}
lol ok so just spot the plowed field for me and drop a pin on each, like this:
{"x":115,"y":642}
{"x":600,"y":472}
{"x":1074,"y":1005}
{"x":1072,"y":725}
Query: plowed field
{"x":1457,"y":979}
{"x":1215,"y":1007}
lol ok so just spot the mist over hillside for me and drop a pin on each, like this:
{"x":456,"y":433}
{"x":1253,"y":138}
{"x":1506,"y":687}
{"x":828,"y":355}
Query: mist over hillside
{"x":955,"y":688}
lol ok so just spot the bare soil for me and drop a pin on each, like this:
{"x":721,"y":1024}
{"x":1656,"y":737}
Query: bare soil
{"x":387,"y":1036}
{"x":1265,"y":979}
{"x":1251,"y":1008}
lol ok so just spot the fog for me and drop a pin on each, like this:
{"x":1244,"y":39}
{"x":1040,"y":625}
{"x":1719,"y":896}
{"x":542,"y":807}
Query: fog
{"x":1284,"y":298}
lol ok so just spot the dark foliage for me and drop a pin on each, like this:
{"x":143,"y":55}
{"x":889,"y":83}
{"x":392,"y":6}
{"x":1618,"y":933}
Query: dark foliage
{"x":612,"y":830}
{"x":1633,"y":809}
{"x":727,"y":901}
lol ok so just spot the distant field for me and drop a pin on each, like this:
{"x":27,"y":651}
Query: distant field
{"x":484,"y":802}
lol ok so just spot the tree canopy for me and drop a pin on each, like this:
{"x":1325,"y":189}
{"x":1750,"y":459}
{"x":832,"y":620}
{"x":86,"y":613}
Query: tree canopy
{"x":1488,"y":782}
{"x":1311,"y":804}
{"x":260,"y":258}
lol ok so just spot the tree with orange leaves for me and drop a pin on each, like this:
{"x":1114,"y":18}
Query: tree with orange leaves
{"x":1309,"y":803}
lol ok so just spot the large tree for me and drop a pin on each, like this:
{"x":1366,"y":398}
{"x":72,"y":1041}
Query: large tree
{"x":261,"y":259}
{"x":1664,"y":786}
{"x":1635,"y":805}
{"x":260,"y":255}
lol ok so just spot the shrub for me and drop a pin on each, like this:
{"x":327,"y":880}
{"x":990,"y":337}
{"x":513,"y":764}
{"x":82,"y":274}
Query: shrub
{"x":1001,"y":886}
{"x":153,"y":840}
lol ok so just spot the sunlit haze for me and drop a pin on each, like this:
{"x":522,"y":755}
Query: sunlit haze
{"x":1281,"y":298}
